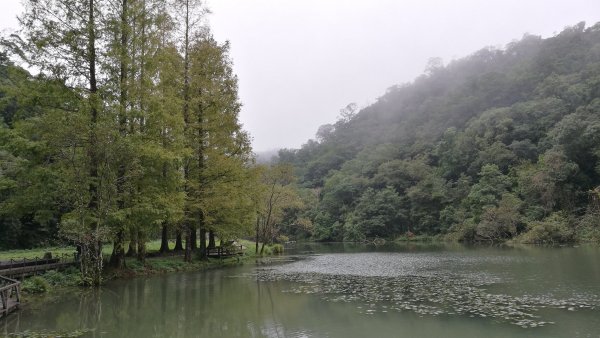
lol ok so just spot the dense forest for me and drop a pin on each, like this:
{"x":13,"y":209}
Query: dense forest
{"x":119,"y":124}
{"x":502,"y":144}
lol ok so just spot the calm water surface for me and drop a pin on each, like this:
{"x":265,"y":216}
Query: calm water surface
{"x":347,"y":291}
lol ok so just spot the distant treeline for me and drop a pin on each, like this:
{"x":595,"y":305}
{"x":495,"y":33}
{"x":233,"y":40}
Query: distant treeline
{"x":503,"y":144}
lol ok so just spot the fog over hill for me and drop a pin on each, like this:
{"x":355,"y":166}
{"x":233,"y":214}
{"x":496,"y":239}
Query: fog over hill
{"x":499,"y":144}
{"x":267,"y":156}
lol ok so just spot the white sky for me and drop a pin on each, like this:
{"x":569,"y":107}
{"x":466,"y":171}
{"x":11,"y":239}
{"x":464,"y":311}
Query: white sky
{"x":300,"y":61}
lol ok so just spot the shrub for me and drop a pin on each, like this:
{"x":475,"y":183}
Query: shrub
{"x":267,"y":250}
{"x":588,"y":227}
{"x":277,"y":249}
{"x":36,"y":284}
{"x":553,"y":229}
{"x":353,"y":232}
{"x":282,"y":239}
{"x":498,"y":223}
{"x":463,"y":232}
{"x":68,"y":277}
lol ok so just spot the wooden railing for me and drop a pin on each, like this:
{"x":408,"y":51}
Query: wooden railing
{"x":225,"y":251}
{"x":10,"y":295}
{"x":30,"y":266}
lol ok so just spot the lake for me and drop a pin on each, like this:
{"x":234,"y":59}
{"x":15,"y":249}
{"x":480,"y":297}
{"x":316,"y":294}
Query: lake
{"x":346,"y":290}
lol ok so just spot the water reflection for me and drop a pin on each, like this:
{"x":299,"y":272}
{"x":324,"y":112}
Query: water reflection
{"x":346,"y":291}
{"x":181,"y":305}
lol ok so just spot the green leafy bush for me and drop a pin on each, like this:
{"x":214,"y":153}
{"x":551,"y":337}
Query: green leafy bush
{"x":267,"y":250}
{"x":463,"y":232}
{"x":282,"y":239}
{"x":36,"y":284}
{"x":353,"y":232}
{"x":277,"y":249}
{"x":588,"y":228}
{"x":553,"y":229}
{"x":68,"y":277}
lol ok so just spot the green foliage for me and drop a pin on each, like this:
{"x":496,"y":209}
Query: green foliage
{"x":278,"y":202}
{"x":43,"y":283}
{"x":220,"y":185}
{"x":35,"y":284}
{"x":463,"y":231}
{"x":282,"y":239}
{"x":486,"y":148}
{"x":353,"y":231}
{"x":556,"y":228}
{"x":488,"y":190}
{"x":267,"y":251}
{"x":588,"y":225}
{"x":325,"y":227}
{"x":136,"y":129}
{"x":376,"y":213}
{"x":277,"y":249}
{"x":127,"y":129}
{"x":501,"y":222}
{"x":588,"y":230}
{"x":68,"y":277}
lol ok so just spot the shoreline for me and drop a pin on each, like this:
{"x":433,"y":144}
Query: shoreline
{"x":51,"y":281}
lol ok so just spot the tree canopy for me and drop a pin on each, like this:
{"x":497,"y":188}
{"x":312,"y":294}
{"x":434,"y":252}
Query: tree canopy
{"x":129,"y":127}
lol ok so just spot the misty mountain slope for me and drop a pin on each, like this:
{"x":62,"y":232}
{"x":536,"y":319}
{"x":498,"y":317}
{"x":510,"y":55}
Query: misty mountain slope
{"x":507,"y":112}
{"x":449,"y":96}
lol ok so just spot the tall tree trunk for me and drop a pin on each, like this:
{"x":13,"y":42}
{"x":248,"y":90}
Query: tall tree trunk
{"x":194,"y":238}
{"x":186,"y":119}
{"x":262,"y":248}
{"x":117,"y":258}
{"x":187,"y":257}
{"x":143,"y":61}
{"x":178,"y":241}
{"x":141,"y":244}
{"x":256,"y":238}
{"x":93,"y":142}
{"x":211,"y":240}
{"x":93,"y":101}
{"x":164,"y":239}
{"x":203,"y":243}
{"x":96,"y":258}
{"x":132,"y":244}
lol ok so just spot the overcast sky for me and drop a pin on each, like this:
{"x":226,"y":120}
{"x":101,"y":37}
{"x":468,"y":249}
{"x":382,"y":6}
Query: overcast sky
{"x":300,"y":61}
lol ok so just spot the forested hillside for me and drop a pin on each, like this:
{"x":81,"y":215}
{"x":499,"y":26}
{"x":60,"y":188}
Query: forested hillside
{"x":502,"y":144}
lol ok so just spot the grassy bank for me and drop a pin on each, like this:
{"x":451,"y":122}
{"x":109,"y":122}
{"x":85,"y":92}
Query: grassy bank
{"x":51,"y":280}
{"x":151,"y":248}
{"x":37,"y":252}
{"x":133,"y":267}
{"x":175,"y":263}
{"x":71,"y":277}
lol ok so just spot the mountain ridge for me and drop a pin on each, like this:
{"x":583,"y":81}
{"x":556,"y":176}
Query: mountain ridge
{"x":498,"y":109}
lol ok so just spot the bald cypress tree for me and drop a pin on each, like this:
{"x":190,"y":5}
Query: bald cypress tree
{"x":190,"y":14}
{"x":61,"y":39}
{"x":148,"y":138}
{"x":220,"y":178}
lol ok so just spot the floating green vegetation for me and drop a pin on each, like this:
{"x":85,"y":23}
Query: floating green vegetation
{"x":50,"y":334}
{"x":429,"y":293}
